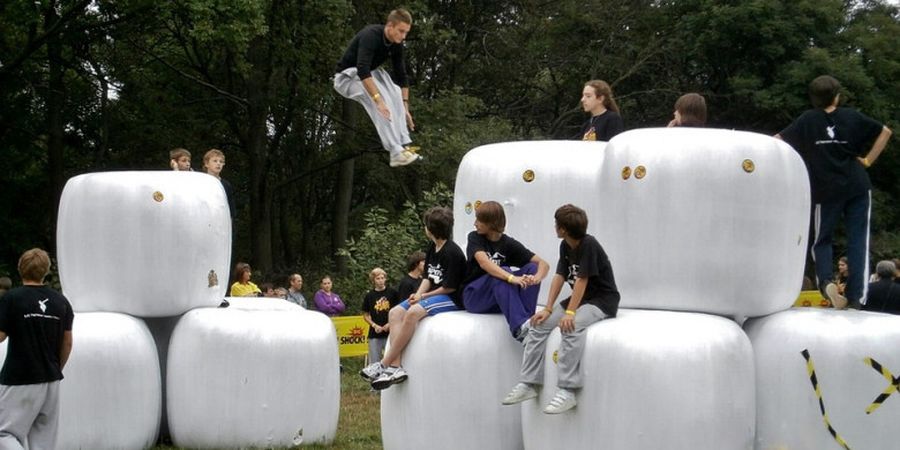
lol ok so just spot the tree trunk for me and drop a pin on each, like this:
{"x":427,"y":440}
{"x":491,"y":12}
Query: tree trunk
{"x":55,"y":102}
{"x":258,"y":149}
{"x":344,"y":189}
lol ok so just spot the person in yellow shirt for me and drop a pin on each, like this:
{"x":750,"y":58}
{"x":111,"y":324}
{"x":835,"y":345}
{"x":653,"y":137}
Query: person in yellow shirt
{"x":242,"y":286}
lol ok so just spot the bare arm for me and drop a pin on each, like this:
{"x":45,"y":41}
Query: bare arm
{"x":372,"y":90}
{"x":880,"y":142}
{"x":555,"y":288}
{"x":567,"y":323}
{"x":65,"y":349}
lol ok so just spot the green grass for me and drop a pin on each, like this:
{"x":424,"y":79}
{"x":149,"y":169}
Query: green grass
{"x":359,"y":425}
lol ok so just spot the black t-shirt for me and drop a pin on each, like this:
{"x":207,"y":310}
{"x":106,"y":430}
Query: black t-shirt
{"x":408,"y":286}
{"x":446,"y":268}
{"x":602,"y":127}
{"x":378,"y":304}
{"x":590,"y":260}
{"x":883,"y":296}
{"x":504,"y":252}
{"x":368,"y":50}
{"x":34,"y":318}
{"x":829,"y":144}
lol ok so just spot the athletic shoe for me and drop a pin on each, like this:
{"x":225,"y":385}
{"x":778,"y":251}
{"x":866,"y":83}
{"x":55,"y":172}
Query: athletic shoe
{"x":390,"y":376}
{"x":403,"y":158}
{"x":372,"y":371}
{"x":519,"y":394}
{"x":412,"y":148}
{"x":563,"y":401}
{"x":837,"y":300}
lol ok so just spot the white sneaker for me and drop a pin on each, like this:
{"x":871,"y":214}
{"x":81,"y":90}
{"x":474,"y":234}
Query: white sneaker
{"x":390,"y":376}
{"x":519,"y":394}
{"x":563,"y":401}
{"x":403,"y":158}
{"x":372,"y":371}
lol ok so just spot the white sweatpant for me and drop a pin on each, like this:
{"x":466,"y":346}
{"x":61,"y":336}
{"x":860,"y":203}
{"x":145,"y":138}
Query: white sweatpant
{"x":29,"y":416}
{"x":393,"y":133}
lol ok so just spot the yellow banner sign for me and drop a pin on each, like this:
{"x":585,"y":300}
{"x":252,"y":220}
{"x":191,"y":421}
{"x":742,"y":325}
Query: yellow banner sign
{"x":352,"y":335}
{"x":812,"y":299}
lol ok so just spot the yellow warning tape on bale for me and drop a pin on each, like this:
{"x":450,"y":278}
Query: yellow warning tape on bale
{"x":811,"y":370}
{"x":893,"y":386}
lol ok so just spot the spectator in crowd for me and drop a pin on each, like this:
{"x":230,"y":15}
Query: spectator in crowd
{"x":605,"y":121}
{"x":295,"y":283}
{"x":439,"y":292}
{"x":838,"y":145}
{"x":842,"y":274}
{"x":327,"y":301}
{"x":242,"y":286}
{"x":213,"y":163}
{"x":5,"y":285}
{"x":180,"y":160}
{"x":385,"y":98}
{"x":281,"y":293}
{"x":268,"y":290}
{"x":502,"y":275}
{"x":415,"y":267}
{"x":884,"y":294}
{"x":897,"y":273}
{"x":376,"y":306}
{"x":38,"y":322}
{"x":583,"y":264}
{"x":690,"y":111}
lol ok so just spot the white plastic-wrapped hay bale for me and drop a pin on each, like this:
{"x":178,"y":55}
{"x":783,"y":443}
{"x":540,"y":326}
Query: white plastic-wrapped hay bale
{"x":854,"y":358}
{"x":530,"y":180}
{"x":719,"y":217}
{"x":149,"y":244}
{"x":653,"y":380}
{"x":260,"y":373}
{"x":111,"y":395}
{"x":460,"y":366}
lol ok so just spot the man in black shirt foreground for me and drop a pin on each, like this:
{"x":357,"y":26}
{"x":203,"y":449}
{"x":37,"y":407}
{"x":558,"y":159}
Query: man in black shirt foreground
{"x":38,"y":322}
{"x":838,"y":145}
{"x":385,"y":98}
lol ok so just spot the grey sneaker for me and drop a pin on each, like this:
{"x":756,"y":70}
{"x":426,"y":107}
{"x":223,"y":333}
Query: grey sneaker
{"x":372,"y":371}
{"x":837,"y":300}
{"x":519,"y":394}
{"x":563,"y":401}
{"x":390,"y":376}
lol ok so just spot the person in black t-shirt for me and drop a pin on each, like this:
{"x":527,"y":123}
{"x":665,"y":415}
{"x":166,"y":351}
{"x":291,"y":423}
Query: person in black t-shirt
{"x":605,"y":122}
{"x":415,"y":267}
{"x":385,"y":98}
{"x":376,"y":305}
{"x":884,"y":293}
{"x":838,"y":145}
{"x":583,"y":264}
{"x":502,"y":275}
{"x":690,"y":111}
{"x":38,"y":322}
{"x":439,"y":292}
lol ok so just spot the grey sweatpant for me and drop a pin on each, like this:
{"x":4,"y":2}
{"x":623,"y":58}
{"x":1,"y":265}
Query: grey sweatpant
{"x":29,"y":416}
{"x":393,"y":133}
{"x":570,"y":349}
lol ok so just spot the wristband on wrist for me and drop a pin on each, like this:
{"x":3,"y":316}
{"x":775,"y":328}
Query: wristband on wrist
{"x":509,"y":279}
{"x":376,"y":96}
{"x":570,"y":312}
{"x":866,"y":163}
{"x":548,"y":309}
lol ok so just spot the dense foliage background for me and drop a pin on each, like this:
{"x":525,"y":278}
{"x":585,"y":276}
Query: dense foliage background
{"x":94,"y":85}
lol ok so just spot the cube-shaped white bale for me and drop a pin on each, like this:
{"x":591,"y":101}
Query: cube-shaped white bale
{"x":852,"y":354}
{"x":653,"y":380}
{"x":460,"y":366}
{"x":253,"y":375}
{"x":530,"y":180}
{"x":149,"y":244}
{"x":704,"y":220}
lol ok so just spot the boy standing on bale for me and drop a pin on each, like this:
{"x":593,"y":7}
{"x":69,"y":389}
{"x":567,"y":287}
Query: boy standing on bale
{"x":838,"y":145}
{"x":584,"y":265}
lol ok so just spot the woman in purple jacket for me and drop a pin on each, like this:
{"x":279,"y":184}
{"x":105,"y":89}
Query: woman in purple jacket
{"x":328,"y":302}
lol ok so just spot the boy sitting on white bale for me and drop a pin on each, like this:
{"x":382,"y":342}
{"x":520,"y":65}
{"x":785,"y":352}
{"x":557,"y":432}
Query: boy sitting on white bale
{"x":584,"y":265}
